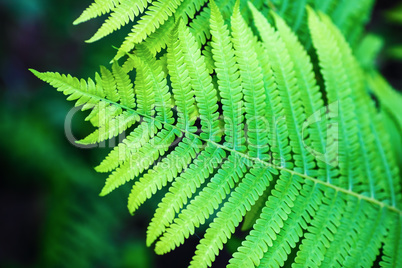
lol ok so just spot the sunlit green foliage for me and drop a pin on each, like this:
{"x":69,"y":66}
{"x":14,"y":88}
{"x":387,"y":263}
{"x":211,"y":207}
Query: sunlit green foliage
{"x":241,"y":119}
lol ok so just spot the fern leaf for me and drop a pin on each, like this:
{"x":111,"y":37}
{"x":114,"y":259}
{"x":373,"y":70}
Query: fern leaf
{"x":122,"y":152}
{"x":310,"y":96}
{"x":240,"y":126}
{"x":253,"y":86}
{"x":271,"y":220}
{"x":155,"y":78}
{"x":109,"y":84}
{"x":240,"y":201}
{"x":306,"y":205}
{"x":139,"y":160}
{"x":96,"y":9}
{"x":278,"y":137}
{"x":338,"y":91}
{"x":124,"y":86}
{"x":365,"y":112}
{"x":181,"y":88}
{"x":288,"y":90}
{"x":201,"y":82}
{"x":203,"y":205}
{"x":183,"y":188}
{"x":76,"y":89}
{"x":156,"y":15}
{"x":159,"y":176}
{"x":122,"y":14}
{"x":321,"y":232}
{"x":229,"y":82}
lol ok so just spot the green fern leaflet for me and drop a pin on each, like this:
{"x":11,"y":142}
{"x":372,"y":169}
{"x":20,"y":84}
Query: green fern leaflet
{"x":229,"y":110}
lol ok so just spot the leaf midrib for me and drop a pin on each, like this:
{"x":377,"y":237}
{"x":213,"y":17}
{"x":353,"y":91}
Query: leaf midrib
{"x":316,"y":181}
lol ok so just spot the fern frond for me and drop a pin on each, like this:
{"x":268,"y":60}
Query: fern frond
{"x":203,"y":205}
{"x":338,"y":91}
{"x":155,"y":16}
{"x":278,"y":137}
{"x":231,"y":214}
{"x":163,"y":172}
{"x":124,"y":86}
{"x":253,"y":86}
{"x":182,"y":188}
{"x":122,"y":14}
{"x":84,"y":93}
{"x":96,"y":9}
{"x":321,"y":232}
{"x":154,"y":77}
{"x":306,"y":205}
{"x":109,"y":84}
{"x":229,"y":82}
{"x":261,"y":129}
{"x":201,"y":82}
{"x":310,"y":96}
{"x":180,"y":79}
{"x":288,"y":90}
{"x":140,"y":160}
{"x":270,"y":222}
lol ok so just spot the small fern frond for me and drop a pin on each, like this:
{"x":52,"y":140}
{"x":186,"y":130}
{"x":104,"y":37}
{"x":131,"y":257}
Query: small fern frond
{"x":122,"y":14}
{"x":124,"y":86}
{"x":86,"y":94}
{"x":283,"y":70}
{"x":201,"y":82}
{"x":310,"y":96}
{"x":338,"y":91}
{"x":109,"y":84}
{"x":181,"y":84}
{"x":229,"y":81}
{"x":96,"y":9}
{"x":253,"y":86}
{"x":155,"y":16}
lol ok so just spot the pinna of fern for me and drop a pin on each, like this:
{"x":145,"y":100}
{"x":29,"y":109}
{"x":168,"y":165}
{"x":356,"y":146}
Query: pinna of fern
{"x":308,"y":165}
{"x":152,"y":21}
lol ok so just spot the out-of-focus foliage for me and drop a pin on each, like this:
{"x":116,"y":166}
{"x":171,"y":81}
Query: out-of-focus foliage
{"x":79,"y":229}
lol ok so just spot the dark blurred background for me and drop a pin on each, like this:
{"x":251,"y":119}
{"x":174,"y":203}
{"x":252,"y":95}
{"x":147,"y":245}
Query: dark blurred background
{"x":50,"y":211}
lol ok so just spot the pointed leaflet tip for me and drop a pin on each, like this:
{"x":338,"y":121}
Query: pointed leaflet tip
{"x":236,"y":7}
{"x":35,"y":72}
{"x":310,"y":11}
{"x":77,"y":21}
